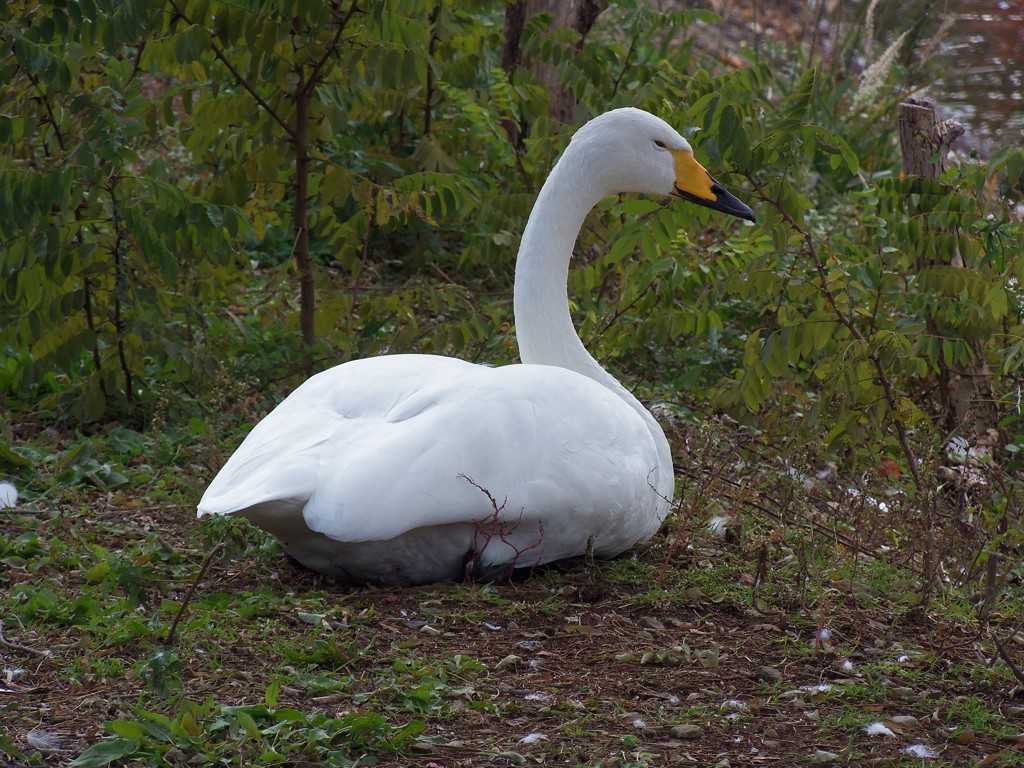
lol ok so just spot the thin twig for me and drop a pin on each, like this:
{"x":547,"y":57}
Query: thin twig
{"x":847,"y":322}
{"x":625,"y":64}
{"x":52,"y":118}
{"x":314,"y":72}
{"x":191,"y":591}
{"x":503,"y":529}
{"x":763,"y":503}
{"x":19,"y":646}
{"x":1014,"y":669}
{"x":218,"y":52}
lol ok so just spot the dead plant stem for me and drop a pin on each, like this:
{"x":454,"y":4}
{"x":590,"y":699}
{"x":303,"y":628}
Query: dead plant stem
{"x":18,"y":646}
{"x":1005,"y":656}
{"x":191,"y":591}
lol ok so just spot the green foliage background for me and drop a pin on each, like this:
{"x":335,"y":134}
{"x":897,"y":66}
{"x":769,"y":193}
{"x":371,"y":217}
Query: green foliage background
{"x":147,"y":195}
{"x":150,"y":298}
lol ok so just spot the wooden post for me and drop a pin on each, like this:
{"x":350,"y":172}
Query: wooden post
{"x":925,"y":141}
{"x":968,"y":403}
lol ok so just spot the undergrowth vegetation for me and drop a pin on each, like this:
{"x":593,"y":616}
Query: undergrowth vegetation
{"x":202,"y":202}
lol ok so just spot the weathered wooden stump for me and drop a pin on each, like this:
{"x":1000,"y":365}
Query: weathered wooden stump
{"x":925,"y":140}
{"x":968,"y":402}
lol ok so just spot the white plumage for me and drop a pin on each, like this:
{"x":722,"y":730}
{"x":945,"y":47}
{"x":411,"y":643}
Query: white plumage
{"x":8,"y":495}
{"x":383,"y":470}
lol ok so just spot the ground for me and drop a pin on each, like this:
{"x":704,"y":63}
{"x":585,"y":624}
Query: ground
{"x":114,"y":636}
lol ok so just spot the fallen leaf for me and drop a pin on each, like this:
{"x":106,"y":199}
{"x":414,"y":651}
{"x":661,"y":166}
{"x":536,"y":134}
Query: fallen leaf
{"x":967,"y":736}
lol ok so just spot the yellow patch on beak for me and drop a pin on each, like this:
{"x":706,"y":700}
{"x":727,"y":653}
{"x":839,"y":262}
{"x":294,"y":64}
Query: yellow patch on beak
{"x":695,"y":184}
{"x":692,"y":180}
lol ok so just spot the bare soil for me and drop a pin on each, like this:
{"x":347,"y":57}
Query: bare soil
{"x":594,"y":667}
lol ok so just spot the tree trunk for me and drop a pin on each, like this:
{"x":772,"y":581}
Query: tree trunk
{"x":968,"y":402}
{"x":428,"y":96}
{"x":578,"y":15}
{"x":300,"y":219}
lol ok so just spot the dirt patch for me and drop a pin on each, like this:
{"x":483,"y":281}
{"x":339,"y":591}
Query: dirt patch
{"x":596,"y":666}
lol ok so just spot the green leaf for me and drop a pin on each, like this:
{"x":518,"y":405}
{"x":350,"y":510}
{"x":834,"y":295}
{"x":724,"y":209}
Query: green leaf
{"x":106,"y":752}
{"x":125,"y":729}
{"x":270,"y":697}
{"x":248,"y":724}
{"x":1013,"y":357}
{"x":998,"y":303}
{"x":9,"y":457}
{"x":98,"y":572}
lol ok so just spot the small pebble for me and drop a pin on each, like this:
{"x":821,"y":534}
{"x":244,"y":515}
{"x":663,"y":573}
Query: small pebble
{"x":733,"y":705}
{"x":769,"y":675}
{"x":907,"y":720}
{"x":509,"y":758}
{"x":687,"y":731}
{"x":823,"y":756}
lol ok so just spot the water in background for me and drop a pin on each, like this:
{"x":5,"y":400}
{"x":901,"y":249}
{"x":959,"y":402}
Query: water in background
{"x":981,"y":61}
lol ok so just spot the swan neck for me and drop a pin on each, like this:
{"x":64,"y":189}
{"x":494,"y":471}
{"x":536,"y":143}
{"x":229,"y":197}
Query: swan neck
{"x":544,"y":326}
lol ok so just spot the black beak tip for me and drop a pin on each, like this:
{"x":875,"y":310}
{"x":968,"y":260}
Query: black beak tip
{"x":729,"y":203}
{"x":724,"y":201}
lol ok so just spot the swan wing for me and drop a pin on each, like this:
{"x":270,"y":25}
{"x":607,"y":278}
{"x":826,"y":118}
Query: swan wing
{"x":375,"y":448}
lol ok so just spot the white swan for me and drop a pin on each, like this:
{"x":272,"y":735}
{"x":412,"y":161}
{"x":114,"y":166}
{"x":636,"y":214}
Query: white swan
{"x":379,"y":470}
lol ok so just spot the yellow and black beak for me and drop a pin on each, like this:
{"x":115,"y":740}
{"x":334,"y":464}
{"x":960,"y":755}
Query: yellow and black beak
{"x":695,"y":184}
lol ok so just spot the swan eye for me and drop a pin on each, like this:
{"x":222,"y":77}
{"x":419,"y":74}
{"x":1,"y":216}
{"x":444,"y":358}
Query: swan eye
{"x":660,"y":144}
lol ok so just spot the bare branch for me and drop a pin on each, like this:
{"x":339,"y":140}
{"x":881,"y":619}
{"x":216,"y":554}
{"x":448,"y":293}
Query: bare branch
{"x":493,"y":525}
{"x":1005,"y":656}
{"x":219,"y":53}
{"x":49,"y":109}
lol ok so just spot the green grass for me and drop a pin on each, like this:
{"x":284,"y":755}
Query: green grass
{"x":271,"y":665}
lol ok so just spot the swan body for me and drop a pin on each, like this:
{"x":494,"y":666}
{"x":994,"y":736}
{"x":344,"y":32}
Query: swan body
{"x":408,"y":469}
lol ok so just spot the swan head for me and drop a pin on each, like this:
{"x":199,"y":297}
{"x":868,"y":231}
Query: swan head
{"x":629,"y":150}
